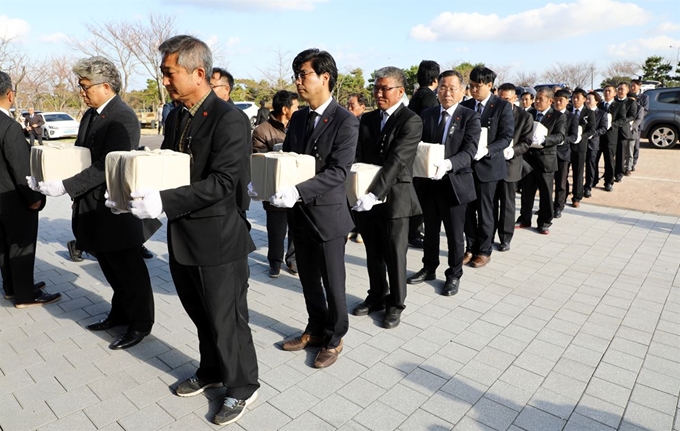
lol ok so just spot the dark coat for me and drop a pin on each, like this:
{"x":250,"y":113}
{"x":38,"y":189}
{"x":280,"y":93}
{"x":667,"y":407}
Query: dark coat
{"x":599,"y":121}
{"x":545,"y":159}
{"x":422,"y":99}
{"x":587,"y":120}
{"x":524,"y":126}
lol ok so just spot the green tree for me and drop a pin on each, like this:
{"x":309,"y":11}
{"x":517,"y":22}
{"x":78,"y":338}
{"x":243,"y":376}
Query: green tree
{"x":350,"y":83}
{"x":411,"y":80}
{"x":656,"y":69}
{"x":614,"y":80}
{"x":465,"y":68}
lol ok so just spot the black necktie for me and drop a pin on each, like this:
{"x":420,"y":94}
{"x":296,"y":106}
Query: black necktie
{"x":182,"y":123}
{"x":310,"y":124}
{"x":606,"y":106}
{"x":441,"y":127}
{"x":93,"y":116}
{"x":576,"y":112}
{"x":539,"y":117}
{"x":480,"y":108}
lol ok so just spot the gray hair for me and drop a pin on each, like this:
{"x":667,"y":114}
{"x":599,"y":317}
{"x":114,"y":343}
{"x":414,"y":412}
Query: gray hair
{"x":5,"y":84}
{"x":191,"y":53}
{"x":391,"y":72}
{"x":98,"y":70}
{"x":546,"y":91}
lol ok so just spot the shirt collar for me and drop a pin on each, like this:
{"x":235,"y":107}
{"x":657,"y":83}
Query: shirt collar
{"x":484,"y":102}
{"x":391,"y":109}
{"x":320,"y":110}
{"x":450,"y":111}
{"x":5,"y":111}
{"x":194,"y":109}
{"x":103,"y":105}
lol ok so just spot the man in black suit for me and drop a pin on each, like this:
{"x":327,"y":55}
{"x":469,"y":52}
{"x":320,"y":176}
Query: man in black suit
{"x":643,"y":105}
{"x":564,"y":150}
{"x":626,"y":138}
{"x":504,"y":200}
{"x":208,"y":234}
{"x":34,"y":125}
{"x":587,"y":123}
{"x":542,"y":156}
{"x":388,"y":137}
{"x":19,"y":207}
{"x":489,"y":164}
{"x":600,"y":126}
{"x":444,"y":197}
{"x":527,"y":101}
{"x":609,"y":141}
{"x":319,"y":215}
{"x":423,"y":98}
{"x":115,"y":240}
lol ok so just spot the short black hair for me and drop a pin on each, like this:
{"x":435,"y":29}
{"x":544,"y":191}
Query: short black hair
{"x":322,"y":62}
{"x":632,"y":95}
{"x":224,"y":74}
{"x":531,"y":95}
{"x":596,"y":95}
{"x":636,"y":81}
{"x":428,"y":71}
{"x":507,"y":87}
{"x":563,"y":93}
{"x":5,"y":84}
{"x":361,"y":99}
{"x":282,"y":98}
{"x":580,"y":91}
{"x":482,"y":75}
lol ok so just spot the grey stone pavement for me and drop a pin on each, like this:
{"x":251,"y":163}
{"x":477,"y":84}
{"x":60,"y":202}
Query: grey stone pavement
{"x":578,"y":330}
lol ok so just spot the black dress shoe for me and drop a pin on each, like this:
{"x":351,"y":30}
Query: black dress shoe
{"x":505,"y":246}
{"x":451,"y":286}
{"x":102,"y":325}
{"x":392,"y":319}
{"x":416,"y":242}
{"x":75,"y":254}
{"x":420,"y":276}
{"x":587,"y":193}
{"x":557,"y":214}
{"x":608,"y":187}
{"x":128,"y":339}
{"x":43,"y":298}
{"x":274,"y":272}
{"x":618,"y":178}
{"x":146,"y":254}
{"x":367,"y":308}
{"x":292,"y":268}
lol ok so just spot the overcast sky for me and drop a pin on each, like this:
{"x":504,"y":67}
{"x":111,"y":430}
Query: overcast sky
{"x":525,"y":35}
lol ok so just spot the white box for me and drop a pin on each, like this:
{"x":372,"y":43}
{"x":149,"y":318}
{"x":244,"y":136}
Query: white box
{"x":128,"y":171}
{"x":56,"y":162}
{"x":359,"y":180}
{"x":274,"y":171}
{"x":539,"y":133}
{"x":483,"y":138}
{"x":427,"y":156}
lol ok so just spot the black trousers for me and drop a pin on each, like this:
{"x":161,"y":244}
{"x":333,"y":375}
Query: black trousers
{"x":215,"y":298}
{"x":592,"y":168}
{"x":415,"y":227}
{"x":321,"y":267}
{"x":561,"y":183}
{"x":620,"y":156}
{"x":578,"y":162}
{"x":438,"y":207}
{"x":479,"y":219}
{"x":609,"y":152}
{"x":542,"y":182}
{"x":18,"y":235}
{"x":33,"y":135}
{"x":504,"y":209}
{"x":386,"y":242}
{"x":277,"y":225}
{"x":132,"y":301}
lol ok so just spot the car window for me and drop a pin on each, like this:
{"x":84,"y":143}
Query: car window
{"x":57,"y":117}
{"x":243,"y":105}
{"x":669,"y":97}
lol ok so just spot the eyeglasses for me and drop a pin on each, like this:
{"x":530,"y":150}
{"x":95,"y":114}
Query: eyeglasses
{"x":477,"y":86}
{"x":87,"y":87}
{"x":384,"y":90}
{"x":301,"y":75}
{"x":450,"y":90}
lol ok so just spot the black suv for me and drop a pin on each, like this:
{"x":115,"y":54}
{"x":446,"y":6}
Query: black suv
{"x":661,"y":124}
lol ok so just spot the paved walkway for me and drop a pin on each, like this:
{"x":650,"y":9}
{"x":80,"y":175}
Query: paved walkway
{"x":578,"y":330}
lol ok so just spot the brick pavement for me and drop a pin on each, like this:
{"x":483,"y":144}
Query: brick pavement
{"x":578,"y":330}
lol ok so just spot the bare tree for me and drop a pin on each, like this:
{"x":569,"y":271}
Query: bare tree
{"x":15,"y":62}
{"x":525,"y":79}
{"x":61,"y":89}
{"x":278,"y":73}
{"x":574,"y":75}
{"x":502,"y":73}
{"x":623,"y":68}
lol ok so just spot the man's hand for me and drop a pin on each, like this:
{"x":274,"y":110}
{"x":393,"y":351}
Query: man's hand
{"x":537,"y":141}
{"x":35,"y":205}
{"x":442,"y":168}
{"x":32,"y":184}
{"x":365,"y":203}
{"x":285,"y":198}
{"x":481,"y":152}
{"x":508,"y":153}
{"x":51,"y":188}
{"x":251,"y":192}
{"x":146,"y":203}
{"x":111,"y":204}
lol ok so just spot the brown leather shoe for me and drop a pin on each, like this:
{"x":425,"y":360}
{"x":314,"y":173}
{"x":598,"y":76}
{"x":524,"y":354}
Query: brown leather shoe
{"x":480,"y":260}
{"x":301,"y":342}
{"x":467,"y":258}
{"x":327,"y":357}
{"x":576,"y":204}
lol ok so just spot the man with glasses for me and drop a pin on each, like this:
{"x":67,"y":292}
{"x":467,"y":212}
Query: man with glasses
{"x":115,"y":240}
{"x":388,"y":137}
{"x":319,"y":216}
{"x":444,"y":197}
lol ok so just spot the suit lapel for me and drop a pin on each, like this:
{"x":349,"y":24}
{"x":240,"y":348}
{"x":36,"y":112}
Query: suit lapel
{"x":325,"y":120}
{"x":201,"y":115}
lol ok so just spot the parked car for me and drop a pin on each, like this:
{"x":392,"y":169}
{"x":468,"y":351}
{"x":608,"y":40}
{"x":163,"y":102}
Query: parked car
{"x":250,"y":108}
{"x":661,"y":124}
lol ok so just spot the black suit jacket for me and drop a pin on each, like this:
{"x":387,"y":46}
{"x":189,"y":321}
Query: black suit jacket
{"x":524,"y":126}
{"x":206,"y":226}
{"x":461,"y":143}
{"x":15,"y":196}
{"x":571,"y":135}
{"x":95,"y":227}
{"x":618,"y":112}
{"x":630,"y":108}
{"x":600,"y":125}
{"x":497,"y":117}
{"x":545,"y":159}
{"x":38,"y":123}
{"x":393,"y":148}
{"x":588,"y":122}
{"x":422,"y":99}
{"x":333,"y":144}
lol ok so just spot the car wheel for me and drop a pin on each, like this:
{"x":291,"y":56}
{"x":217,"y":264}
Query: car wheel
{"x":252,"y":122}
{"x":663,"y":136}
{"x":46,"y":135}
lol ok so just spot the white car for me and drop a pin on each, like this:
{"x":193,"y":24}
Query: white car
{"x":59,"y":125}
{"x":250,"y":108}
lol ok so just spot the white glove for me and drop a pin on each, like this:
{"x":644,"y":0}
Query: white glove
{"x":508,"y":153}
{"x":111,"y":204}
{"x":481,"y":152}
{"x":32,"y":184}
{"x":365,"y":203}
{"x":285,"y":198}
{"x":146,"y":203}
{"x":442,"y":168}
{"x":537,"y":141}
{"x":51,"y":188}
{"x":251,"y":192}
